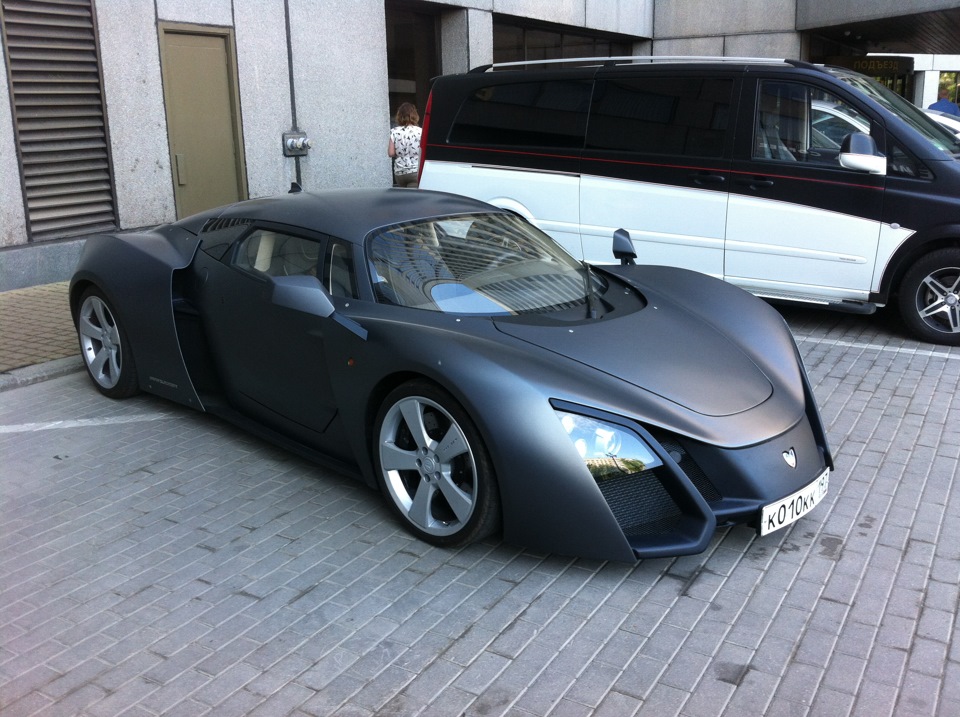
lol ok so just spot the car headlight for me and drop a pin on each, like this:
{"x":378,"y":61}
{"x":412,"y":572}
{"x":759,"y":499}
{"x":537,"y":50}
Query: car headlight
{"x":608,"y":450}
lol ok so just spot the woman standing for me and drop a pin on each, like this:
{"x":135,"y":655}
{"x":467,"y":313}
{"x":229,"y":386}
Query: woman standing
{"x":404,"y":146}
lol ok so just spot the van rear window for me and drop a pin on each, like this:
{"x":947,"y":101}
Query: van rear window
{"x":661,"y":115}
{"x":545,"y":114}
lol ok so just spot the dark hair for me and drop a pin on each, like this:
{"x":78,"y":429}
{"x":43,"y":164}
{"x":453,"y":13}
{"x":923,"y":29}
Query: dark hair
{"x":407,"y":114}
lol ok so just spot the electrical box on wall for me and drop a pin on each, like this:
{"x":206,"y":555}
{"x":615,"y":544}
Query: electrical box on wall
{"x":296,"y":144}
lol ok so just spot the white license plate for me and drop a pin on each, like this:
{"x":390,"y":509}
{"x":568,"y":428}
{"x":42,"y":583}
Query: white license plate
{"x":795,"y":506}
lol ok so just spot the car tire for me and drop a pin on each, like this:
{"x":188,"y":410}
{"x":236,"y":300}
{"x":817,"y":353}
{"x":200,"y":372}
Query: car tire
{"x":433,"y":467}
{"x":930,"y":297}
{"x":105,"y":347}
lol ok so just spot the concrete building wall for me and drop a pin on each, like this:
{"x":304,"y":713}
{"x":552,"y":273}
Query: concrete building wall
{"x":132,"y":88}
{"x":11,"y":199}
{"x":623,"y":16}
{"x":266,"y":110}
{"x":340,"y":76}
{"x":817,"y":13}
{"x":466,"y":40}
{"x":732,"y":28}
{"x":628,"y":17}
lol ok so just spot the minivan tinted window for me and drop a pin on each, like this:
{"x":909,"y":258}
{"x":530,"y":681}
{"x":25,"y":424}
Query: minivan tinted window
{"x":524,"y":114}
{"x":661,"y":115}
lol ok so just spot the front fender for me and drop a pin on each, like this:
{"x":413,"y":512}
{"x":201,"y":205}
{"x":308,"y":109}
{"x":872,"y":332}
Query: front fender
{"x":549,"y":499}
{"x":921,"y":242}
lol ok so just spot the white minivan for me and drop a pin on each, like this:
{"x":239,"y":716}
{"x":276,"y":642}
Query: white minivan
{"x":738,"y":168}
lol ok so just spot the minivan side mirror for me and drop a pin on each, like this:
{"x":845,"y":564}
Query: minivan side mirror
{"x":858,"y":151}
{"x":623,"y":247}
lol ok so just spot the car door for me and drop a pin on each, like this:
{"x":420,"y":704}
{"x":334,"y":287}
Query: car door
{"x":799,"y":225}
{"x":271,"y":358}
{"x":657,"y":162}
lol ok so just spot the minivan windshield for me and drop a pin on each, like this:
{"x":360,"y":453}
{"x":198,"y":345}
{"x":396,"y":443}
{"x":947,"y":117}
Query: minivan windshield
{"x":908,"y":112}
{"x":481,"y":264}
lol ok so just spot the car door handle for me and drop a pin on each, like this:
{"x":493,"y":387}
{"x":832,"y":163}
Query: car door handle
{"x":707,"y":178}
{"x":181,"y":167}
{"x":756,"y":182}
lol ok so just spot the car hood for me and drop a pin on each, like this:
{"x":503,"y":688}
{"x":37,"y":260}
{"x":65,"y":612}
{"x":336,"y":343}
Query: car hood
{"x":664,"y":349}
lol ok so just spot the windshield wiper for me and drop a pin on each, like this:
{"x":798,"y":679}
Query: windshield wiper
{"x":590,"y":288}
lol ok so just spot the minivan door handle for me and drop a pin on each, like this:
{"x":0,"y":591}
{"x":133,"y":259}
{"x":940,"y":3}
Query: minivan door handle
{"x":756,"y":182}
{"x":707,"y":178}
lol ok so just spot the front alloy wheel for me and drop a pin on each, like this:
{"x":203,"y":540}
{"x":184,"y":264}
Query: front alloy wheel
{"x":433,"y":467}
{"x":930,"y":297}
{"x":104,"y":347}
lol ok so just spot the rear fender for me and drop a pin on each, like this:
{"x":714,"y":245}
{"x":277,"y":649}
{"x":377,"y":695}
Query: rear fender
{"x":135,"y":274}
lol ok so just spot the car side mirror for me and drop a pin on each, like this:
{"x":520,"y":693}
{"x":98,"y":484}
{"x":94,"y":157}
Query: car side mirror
{"x":623,"y":247}
{"x":858,"y":151}
{"x":304,"y":292}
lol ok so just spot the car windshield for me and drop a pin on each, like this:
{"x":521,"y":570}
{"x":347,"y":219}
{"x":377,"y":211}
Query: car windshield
{"x":909,"y":113}
{"x":486,"y":264}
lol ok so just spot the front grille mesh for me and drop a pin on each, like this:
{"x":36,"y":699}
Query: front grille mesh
{"x":691,"y":468}
{"x":640,"y":503}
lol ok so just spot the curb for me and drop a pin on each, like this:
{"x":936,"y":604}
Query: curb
{"x":40,"y":372}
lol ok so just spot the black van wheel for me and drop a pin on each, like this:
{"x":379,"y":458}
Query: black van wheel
{"x":930,"y":297}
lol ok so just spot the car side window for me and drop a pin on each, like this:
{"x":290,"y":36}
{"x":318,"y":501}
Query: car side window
{"x":802,"y":123}
{"x":685,"y":116}
{"x":277,"y":254}
{"x":339,"y":275}
{"x":549,"y":113}
{"x":902,"y":164}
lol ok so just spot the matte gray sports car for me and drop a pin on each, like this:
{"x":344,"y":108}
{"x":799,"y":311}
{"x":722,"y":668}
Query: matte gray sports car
{"x":456,"y":357}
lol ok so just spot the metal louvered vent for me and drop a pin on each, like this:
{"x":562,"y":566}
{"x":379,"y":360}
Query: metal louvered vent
{"x":59,"y":116}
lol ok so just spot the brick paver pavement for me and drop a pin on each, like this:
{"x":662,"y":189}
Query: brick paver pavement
{"x":35,"y":326}
{"x":155,"y":561}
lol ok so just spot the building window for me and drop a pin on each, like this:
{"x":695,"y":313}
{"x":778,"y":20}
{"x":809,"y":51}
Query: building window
{"x":518,"y":41}
{"x":59,"y":117}
{"x":412,"y":54}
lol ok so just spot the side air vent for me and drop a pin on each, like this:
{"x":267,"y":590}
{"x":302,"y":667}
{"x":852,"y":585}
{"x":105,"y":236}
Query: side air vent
{"x":218,"y":223}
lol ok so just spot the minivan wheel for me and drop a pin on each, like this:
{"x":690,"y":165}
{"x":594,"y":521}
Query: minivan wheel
{"x":930,"y":297}
{"x":433,"y":467}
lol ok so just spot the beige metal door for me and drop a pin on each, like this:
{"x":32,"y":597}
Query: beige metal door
{"x":202,"y":116}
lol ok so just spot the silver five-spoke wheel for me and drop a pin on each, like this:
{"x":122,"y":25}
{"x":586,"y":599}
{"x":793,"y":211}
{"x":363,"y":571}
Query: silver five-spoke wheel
{"x":433,"y":466}
{"x":102,"y":345}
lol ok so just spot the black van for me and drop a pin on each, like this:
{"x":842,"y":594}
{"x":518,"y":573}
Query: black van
{"x":797,"y":182}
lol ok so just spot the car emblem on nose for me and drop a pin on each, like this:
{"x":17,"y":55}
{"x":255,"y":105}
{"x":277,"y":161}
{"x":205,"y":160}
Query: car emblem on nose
{"x":790,"y":457}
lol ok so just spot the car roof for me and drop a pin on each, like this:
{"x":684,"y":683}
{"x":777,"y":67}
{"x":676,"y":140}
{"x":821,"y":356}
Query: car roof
{"x":345,"y":213}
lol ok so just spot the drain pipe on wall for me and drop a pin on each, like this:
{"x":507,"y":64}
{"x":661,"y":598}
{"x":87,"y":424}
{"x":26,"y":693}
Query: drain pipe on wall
{"x":294,"y":142}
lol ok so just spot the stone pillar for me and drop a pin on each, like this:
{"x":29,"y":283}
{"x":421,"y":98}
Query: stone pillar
{"x":466,"y":40}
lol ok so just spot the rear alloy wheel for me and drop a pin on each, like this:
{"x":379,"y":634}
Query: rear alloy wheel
{"x":930,"y":297}
{"x":433,"y":467}
{"x":105,"y":348}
